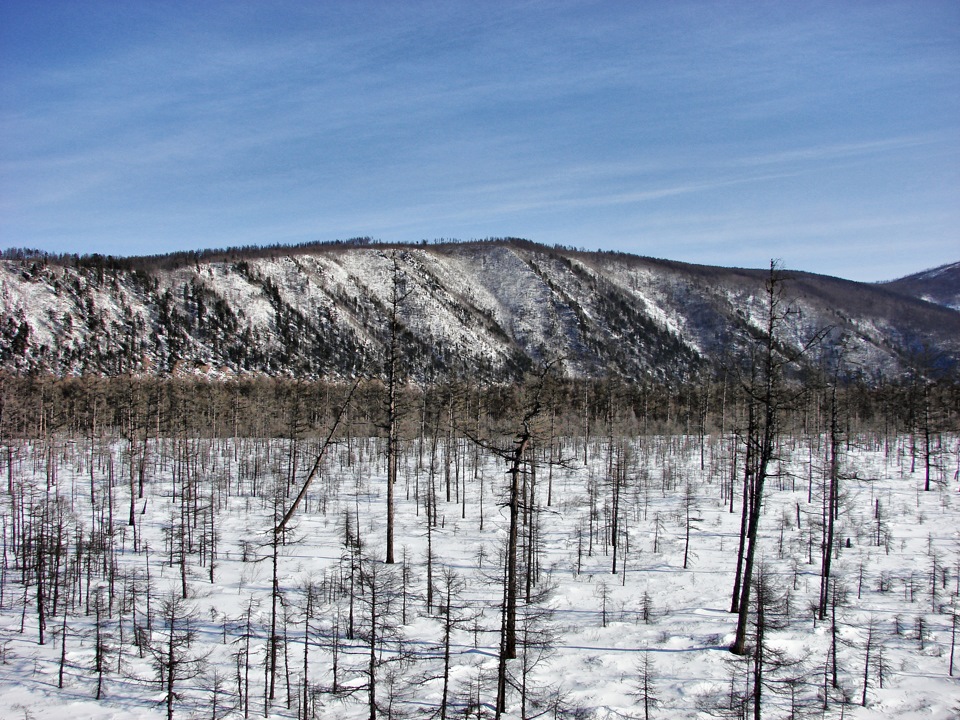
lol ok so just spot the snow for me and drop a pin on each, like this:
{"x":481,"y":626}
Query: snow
{"x":236,"y":289}
{"x":486,"y":302}
{"x":937,"y":272}
{"x":595,"y":666}
{"x":648,"y":288}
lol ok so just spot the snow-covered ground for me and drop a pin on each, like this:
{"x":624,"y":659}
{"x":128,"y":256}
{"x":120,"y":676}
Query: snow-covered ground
{"x":606,"y":625}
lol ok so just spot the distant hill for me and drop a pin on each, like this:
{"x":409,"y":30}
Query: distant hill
{"x":489,"y":310}
{"x":941,"y":285}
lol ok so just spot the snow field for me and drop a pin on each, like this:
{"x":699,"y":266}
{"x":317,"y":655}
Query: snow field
{"x":598,"y":618}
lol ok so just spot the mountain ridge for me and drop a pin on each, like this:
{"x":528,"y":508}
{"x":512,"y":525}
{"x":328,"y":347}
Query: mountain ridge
{"x":939,"y":285}
{"x":487,"y":309}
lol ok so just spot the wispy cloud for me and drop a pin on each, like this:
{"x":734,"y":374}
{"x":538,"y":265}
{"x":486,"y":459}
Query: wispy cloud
{"x":835,"y":151}
{"x":578,"y":120}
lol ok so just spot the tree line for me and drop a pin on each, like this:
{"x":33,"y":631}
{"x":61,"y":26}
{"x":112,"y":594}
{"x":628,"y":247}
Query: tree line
{"x":35,"y":405}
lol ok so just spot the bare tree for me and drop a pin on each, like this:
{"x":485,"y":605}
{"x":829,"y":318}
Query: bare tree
{"x":602,"y":593}
{"x":175,"y":657}
{"x":381,"y":635}
{"x":766,"y":398}
{"x":398,"y":295}
{"x":508,"y":636}
{"x":690,"y":519}
{"x":831,"y":507}
{"x":873,"y":656}
{"x":645,"y":681}
{"x":454,"y":614}
{"x":767,"y":667}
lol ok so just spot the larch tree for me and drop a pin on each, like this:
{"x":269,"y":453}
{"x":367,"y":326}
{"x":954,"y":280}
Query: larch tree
{"x":767,"y":397}
{"x":399,"y":292}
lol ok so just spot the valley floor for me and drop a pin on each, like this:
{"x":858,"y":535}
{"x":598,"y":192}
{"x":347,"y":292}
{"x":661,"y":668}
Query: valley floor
{"x":589,"y":643}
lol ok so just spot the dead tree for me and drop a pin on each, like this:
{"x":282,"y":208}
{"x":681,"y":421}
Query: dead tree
{"x":175,"y":658}
{"x":766,"y":397}
{"x":831,"y":499}
{"x":644,"y":691}
{"x":398,"y":294}
{"x":318,"y":462}
{"x":381,"y":636}
{"x":516,"y":460}
{"x":454,"y":614}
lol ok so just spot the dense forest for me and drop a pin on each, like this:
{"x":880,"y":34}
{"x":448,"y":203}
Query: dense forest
{"x":34,"y":407}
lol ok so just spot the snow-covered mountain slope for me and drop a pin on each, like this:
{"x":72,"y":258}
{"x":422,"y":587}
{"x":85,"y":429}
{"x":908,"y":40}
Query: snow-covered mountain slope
{"x":941,"y":285}
{"x":485,"y":309}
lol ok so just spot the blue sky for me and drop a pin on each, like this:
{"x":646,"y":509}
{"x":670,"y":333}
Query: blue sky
{"x":825,"y":134}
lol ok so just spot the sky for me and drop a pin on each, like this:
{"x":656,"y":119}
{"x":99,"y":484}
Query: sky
{"x":824,"y":134}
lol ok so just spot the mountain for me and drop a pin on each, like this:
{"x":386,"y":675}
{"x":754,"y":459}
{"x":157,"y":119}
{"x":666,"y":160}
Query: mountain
{"x":941,"y":285}
{"x":490,"y":309}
